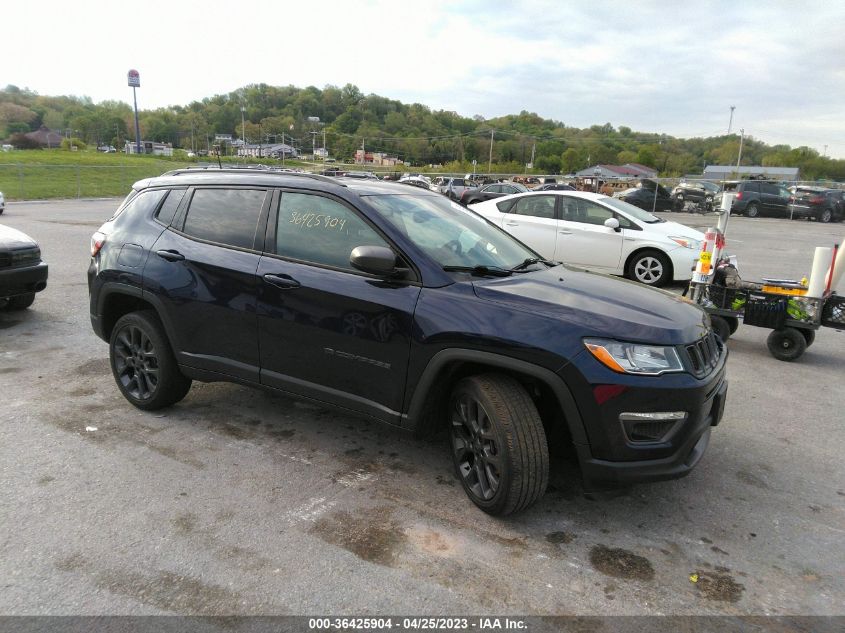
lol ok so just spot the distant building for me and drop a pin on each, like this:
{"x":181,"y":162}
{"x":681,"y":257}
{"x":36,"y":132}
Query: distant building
{"x":627,"y":171}
{"x":732,"y":172}
{"x":149,"y":147}
{"x":375,"y":158}
{"x":46,"y":137}
{"x":275,"y":150}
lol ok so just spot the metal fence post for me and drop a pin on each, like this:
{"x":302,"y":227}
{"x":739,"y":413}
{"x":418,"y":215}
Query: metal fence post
{"x":78,"y":184}
{"x":20,"y":178}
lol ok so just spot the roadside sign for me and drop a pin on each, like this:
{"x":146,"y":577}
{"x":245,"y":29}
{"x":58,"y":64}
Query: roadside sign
{"x":134,"y":78}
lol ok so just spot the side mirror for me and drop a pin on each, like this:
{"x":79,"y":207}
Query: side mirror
{"x":376,"y":260}
{"x":612,"y":223}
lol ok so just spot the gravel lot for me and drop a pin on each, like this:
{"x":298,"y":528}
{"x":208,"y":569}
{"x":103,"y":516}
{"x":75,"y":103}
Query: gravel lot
{"x":238,"y":501}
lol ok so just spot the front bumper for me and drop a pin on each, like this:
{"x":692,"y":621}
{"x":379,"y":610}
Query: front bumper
{"x":24,"y":280}
{"x":610,"y":457}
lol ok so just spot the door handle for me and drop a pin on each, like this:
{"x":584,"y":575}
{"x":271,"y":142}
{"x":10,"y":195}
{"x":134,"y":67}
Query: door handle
{"x":285,"y":282}
{"x":511,"y":223}
{"x":171,"y":255}
{"x":565,"y":232}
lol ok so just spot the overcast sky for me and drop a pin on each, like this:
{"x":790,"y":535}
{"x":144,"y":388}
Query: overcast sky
{"x":672,"y":67}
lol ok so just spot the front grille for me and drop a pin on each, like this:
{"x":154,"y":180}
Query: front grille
{"x":704,"y":354}
{"x":21,"y":257}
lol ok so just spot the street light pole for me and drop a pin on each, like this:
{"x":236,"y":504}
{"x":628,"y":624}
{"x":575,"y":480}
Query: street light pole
{"x":243,"y":130}
{"x":731,"y":120}
{"x":490,"y":158}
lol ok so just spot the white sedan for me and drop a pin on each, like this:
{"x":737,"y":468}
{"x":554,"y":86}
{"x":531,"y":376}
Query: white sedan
{"x":598,"y":232}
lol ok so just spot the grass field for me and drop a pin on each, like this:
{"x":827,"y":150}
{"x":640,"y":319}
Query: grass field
{"x":44,"y":174}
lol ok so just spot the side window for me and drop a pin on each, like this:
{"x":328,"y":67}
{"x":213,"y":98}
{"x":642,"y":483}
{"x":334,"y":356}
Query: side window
{"x":227,"y":216}
{"x":505,"y":205}
{"x":751,"y":187}
{"x":144,"y":202}
{"x":537,"y":206}
{"x":171,"y":203}
{"x":320,"y":230}
{"x":769,"y":189}
{"x":591,"y":213}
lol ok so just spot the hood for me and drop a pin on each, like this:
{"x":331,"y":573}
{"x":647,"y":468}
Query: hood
{"x":674,"y":228}
{"x":600,"y":305}
{"x":13,"y":239}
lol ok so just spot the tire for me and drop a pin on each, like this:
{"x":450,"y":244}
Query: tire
{"x":733,"y":323}
{"x":678,"y":203}
{"x":809,"y":336}
{"x":498,"y":444}
{"x":143,"y":364}
{"x":21,"y":302}
{"x":752,"y":211}
{"x":825,"y":216}
{"x":787,"y":344}
{"x":721,"y":327}
{"x":651,"y":268}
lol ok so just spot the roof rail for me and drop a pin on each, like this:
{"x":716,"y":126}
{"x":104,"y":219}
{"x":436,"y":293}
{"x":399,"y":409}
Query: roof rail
{"x":258,"y":168}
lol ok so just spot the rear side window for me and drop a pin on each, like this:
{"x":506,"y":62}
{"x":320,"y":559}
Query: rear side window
{"x":227,"y":216}
{"x":751,"y":187}
{"x":171,"y":203}
{"x":770,"y":189}
{"x":320,"y":230}
{"x":536,"y":206}
{"x":144,"y":202}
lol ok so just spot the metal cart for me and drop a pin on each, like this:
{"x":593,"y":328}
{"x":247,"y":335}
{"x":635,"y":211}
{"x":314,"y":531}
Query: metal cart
{"x":793,"y":319}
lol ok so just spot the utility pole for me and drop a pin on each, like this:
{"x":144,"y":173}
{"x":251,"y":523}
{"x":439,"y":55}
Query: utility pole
{"x":533,"y":148}
{"x":825,"y":151}
{"x":243,"y":129}
{"x":490,"y":159}
{"x":739,"y":158}
{"x":731,"y":120}
{"x":325,"y":152}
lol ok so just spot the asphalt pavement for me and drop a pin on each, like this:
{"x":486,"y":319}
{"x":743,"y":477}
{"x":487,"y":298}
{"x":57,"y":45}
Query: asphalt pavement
{"x":238,"y":501}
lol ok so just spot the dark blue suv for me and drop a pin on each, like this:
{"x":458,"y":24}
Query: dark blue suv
{"x":395,"y":303}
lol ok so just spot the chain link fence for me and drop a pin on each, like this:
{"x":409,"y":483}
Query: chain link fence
{"x":22,"y":181}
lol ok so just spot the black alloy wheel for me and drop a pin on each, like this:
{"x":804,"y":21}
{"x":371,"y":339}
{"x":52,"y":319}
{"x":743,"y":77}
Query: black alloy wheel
{"x":498,"y":443}
{"x":143,"y":364}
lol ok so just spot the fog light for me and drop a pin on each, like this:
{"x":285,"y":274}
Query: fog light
{"x":651,"y":427}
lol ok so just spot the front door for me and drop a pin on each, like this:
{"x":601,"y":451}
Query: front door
{"x":533,"y":221}
{"x":326,"y":330}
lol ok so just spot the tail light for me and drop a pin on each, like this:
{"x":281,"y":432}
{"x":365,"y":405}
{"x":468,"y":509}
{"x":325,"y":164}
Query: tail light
{"x":97,"y":241}
{"x":816,"y":200}
{"x":739,"y":195}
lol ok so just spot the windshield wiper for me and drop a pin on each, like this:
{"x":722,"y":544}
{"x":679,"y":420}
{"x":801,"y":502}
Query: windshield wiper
{"x":530,"y":262}
{"x":480,"y":271}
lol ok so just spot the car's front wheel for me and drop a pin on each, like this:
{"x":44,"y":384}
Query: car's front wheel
{"x":498,"y":443}
{"x":651,"y":268}
{"x":752,"y":211}
{"x":143,"y":364}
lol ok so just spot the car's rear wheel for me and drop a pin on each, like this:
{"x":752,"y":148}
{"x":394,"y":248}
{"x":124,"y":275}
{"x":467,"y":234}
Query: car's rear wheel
{"x":825,"y":215}
{"x":21,"y":302}
{"x":498,"y":443}
{"x":651,"y":268}
{"x":752,"y":211}
{"x":143,"y":364}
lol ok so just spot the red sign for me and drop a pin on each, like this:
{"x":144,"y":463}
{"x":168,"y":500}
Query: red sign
{"x":134,"y":78}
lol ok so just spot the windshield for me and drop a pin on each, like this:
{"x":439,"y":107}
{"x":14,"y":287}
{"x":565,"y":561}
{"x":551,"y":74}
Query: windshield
{"x":631,"y":210}
{"x":450,"y":234}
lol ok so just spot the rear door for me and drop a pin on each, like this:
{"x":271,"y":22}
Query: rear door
{"x":326,"y":330}
{"x":533,"y":220}
{"x":773,"y":202}
{"x":201,"y":271}
{"x":583,"y":238}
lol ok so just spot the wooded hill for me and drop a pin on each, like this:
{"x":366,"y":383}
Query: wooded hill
{"x":414,"y":132}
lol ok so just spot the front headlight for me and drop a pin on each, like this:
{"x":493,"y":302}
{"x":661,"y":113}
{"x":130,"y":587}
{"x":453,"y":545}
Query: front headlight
{"x":634,"y":358}
{"x":686,"y":242}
